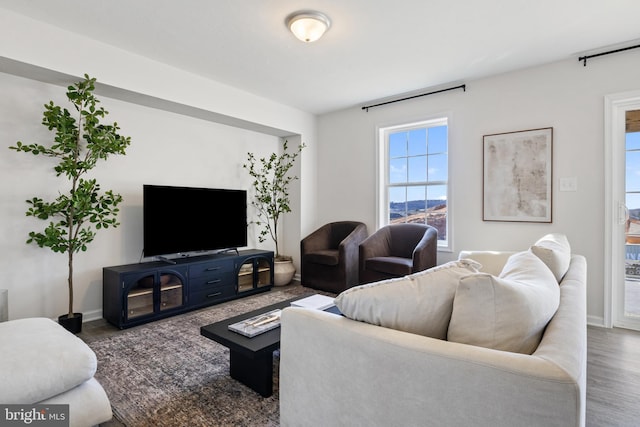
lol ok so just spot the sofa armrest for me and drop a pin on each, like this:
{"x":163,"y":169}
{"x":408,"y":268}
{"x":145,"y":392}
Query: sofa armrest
{"x":88,"y":404}
{"x":340,"y":372}
{"x":492,"y":261}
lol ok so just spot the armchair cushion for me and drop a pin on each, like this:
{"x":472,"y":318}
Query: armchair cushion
{"x":509,"y":312}
{"x":326,"y":257}
{"x":420,"y":303}
{"x":392,"y":265}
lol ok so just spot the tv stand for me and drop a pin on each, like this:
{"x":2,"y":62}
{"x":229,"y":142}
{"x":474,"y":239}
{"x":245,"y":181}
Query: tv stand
{"x":139,"y":293}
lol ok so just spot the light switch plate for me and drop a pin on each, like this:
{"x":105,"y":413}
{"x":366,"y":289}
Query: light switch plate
{"x":569,"y":183}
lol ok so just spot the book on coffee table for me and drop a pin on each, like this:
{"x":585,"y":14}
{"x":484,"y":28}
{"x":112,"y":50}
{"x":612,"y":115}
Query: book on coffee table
{"x":257,"y":325}
{"x":317,"y":302}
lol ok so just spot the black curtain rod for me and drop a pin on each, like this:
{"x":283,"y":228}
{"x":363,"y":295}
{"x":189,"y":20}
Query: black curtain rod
{"x":463,"y":87}
{"x":584,"y":58}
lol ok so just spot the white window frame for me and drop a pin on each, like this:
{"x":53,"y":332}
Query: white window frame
{"x":382,"y":199}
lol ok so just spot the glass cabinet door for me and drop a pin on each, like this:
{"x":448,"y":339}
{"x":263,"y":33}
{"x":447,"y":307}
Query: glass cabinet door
{"x":155,"y":292}
{"x":245,"y":276}
{"x":140,"y":297}
{"x":254,"y":273}
{"x":264,"y":272}
{"x":171,"y":291}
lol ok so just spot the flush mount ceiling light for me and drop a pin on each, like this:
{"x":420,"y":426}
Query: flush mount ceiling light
{"x":308,"y":25}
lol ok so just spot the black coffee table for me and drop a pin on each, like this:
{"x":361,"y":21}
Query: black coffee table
{"x":250,"y":359}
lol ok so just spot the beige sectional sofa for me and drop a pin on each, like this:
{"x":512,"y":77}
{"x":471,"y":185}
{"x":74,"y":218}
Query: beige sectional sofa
{"x":342,"y":372}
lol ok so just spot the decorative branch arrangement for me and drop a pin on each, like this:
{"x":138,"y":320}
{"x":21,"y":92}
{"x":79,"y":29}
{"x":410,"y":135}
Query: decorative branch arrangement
{"x":271,"y":184}
{"x":79,"y":143}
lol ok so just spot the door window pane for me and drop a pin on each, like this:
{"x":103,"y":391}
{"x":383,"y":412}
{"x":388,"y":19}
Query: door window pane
{"x":633,"y":171}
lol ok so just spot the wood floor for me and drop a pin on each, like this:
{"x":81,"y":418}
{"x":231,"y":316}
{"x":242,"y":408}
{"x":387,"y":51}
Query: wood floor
{"x":613,"y":377}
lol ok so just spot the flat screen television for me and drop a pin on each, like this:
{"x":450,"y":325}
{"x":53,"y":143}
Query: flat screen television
{"x":190,"y":219}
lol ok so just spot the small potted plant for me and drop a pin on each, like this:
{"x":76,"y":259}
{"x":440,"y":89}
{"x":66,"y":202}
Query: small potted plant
{"x":271,"y":183}
{"x":74,"y":216}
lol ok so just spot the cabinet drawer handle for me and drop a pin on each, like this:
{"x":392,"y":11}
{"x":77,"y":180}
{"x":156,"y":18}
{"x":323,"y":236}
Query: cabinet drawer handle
{"x":214,"y":295}
{"x":213,"y":268}
{"x":210,"y":282}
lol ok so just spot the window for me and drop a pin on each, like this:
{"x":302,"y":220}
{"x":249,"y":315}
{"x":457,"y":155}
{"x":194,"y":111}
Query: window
{"x":414,"y":175}
{"x":632,"y":181}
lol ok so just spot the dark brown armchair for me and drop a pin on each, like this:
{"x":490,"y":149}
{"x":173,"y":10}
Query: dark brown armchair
{"x":329,"y":256}
{"x":397,"y":250}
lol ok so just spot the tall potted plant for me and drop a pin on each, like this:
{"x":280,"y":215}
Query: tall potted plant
{"x":74,"y":216}
{"x":271,"y":184}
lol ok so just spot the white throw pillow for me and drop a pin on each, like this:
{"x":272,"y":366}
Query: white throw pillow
{"x":554,"y":250}
{"x":508,"y":312}
{"x":419,"y":303}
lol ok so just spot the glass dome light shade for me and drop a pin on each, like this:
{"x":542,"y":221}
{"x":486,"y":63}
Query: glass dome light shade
{"x":308,"y":26}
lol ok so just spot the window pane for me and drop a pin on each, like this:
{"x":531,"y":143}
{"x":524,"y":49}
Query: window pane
{"x":438,"y":139}
{"x":633,"y":171}
{"x":397,"y":204}
{"x":633,"y":141}
{"x":416,"y":204}
{"x":438,"y":167}
{"x":437,"y":209}
{"x":633,"y":204}
{"x":418,"y":169}
{"x":397,"y":144}
{"x":398,"y":170}
{"x":418,"y":142}
{"x":436,"y":192}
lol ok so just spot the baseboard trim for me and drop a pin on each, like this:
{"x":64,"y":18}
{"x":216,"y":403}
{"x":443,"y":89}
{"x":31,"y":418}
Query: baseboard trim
{"x":596,"y":321}
{"x":91,"y":315}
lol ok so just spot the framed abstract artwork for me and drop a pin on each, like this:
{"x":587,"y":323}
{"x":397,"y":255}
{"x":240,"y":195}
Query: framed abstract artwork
{"x":517,"y":179}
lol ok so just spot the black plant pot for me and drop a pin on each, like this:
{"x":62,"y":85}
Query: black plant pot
{"x":71,"y":324}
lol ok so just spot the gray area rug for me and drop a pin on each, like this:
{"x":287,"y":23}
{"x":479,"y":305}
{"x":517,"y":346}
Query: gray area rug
{"x":165,"y":374}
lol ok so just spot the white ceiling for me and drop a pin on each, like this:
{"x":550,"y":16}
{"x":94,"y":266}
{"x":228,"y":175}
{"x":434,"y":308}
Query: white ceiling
{"x":374,"y":49}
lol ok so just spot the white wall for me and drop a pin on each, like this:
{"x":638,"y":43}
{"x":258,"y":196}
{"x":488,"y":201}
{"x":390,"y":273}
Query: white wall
{"x":166,"y":148}
{"x":564,"y":95}
{"x":337,"y":170}
{"x":192,"y":147}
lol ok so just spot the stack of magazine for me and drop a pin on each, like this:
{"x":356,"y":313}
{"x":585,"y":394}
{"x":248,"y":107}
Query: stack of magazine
{"x":257,"y":325}
{"x":316,"y":302}
{"x":262,"y":323}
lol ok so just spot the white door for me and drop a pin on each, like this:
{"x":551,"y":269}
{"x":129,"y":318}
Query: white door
{"x":622,"y":170}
